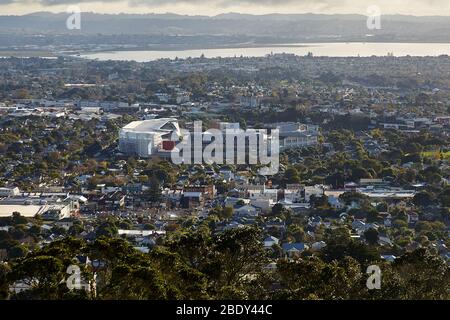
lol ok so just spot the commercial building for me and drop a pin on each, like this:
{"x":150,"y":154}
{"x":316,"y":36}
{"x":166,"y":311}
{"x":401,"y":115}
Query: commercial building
{"x":9,"y":192}
{"x":50,"y":206}
{"x":145,"y":138}
{"x":297,"y":135}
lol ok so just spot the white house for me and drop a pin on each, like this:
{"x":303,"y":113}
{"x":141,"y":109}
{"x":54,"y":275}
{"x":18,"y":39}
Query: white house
{"x":246,"y":210}
{"x":270,"y":241}
{"x":9,"y":192}
{"x":293,"y":195}
{"x":271,"y":266}
{"x":316,"y":191}
{"x":319,"y":245}
{"x":360,"y":226}
{"x":388,"y":257}
{"x":335,"y":202}
{"x":265,"y":205}
{"x":263,"y":194}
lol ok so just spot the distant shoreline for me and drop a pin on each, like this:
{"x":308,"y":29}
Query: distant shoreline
{"x":22,"y":53}
{"x":304,"y":44}
{"x":330,"y":49}
{"x":188,"y":48}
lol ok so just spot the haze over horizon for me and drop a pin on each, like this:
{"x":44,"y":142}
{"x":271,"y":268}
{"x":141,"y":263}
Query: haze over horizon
{"x":215,"y":7}
{"x":145,"y":24}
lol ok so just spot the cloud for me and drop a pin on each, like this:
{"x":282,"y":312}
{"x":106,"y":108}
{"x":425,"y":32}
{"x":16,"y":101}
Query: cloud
{"x":218,"y":3}
{"x":227,"y":3}
{"x":417,"y":7}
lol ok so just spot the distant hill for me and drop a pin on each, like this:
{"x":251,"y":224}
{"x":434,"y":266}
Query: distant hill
{"x":298,"y":26}
{"x":173,"y":31}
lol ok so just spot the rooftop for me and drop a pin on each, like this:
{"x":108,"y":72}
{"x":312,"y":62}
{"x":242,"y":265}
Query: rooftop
{"x":153,"y":125}
{"x":28,"y":211}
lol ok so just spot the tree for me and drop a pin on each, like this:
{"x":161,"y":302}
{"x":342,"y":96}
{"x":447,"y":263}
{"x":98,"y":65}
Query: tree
{"x":149,"y":226}
{"x":236,"y":254}
{"x":125,"y":225}
{"x":136,"y":282}
{"x":277,"y":209}
{"x":107,"y":229}
{"x":360,"y":173}
{"x":291,"y":175}
{"x":372,"y":214}
{"x":423,"y":199}
{"x":223,"y":213}
{"x":197,"y":264}
{"x":349,"y":197}
{"x":340,"y":245}
{"x":4,"y":281}
{"x":423,"y":275}
{"x":154,"y":193}
{"x":44,"y":274}
{"x":35,"y":230}
{"x":371,"y":236}
{"x":75,"y":230}
{"x":319,"y":202}
{"x":18,"y":219}
{"x":226,"y":213}
{"x":444,"y":197}
{"x":17,"y":251}
{"x":311,"y":278}
{"x":297,"y":232}
{"x":59,"y":230}
{"x":181,"y":281}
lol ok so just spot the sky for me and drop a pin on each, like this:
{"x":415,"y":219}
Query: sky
{"x":213,"y":7}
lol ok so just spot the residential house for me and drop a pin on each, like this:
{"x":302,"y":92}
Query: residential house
{"x":247,"y":210}
{"x":319,"y":245}
{"x":270,"y":241}
{"x":294,"y":249}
